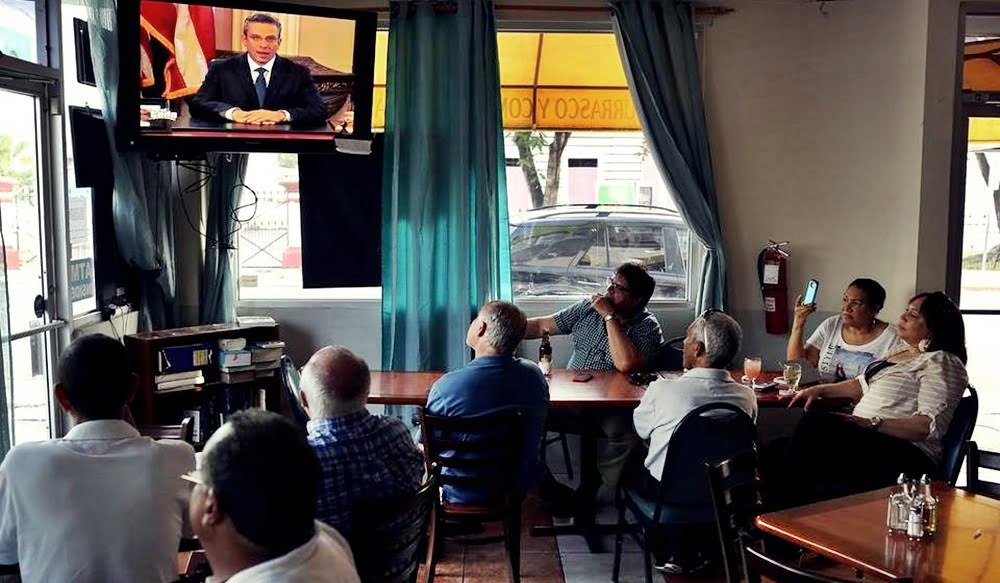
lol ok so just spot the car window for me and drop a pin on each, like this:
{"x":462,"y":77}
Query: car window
{"x":640,"y":243}
{"x":675,"y":246}
{"x":558,"y":245}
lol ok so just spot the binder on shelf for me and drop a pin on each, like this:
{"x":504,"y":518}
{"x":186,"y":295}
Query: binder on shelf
{"x":183,"y":358}
{"x":177,"y":376}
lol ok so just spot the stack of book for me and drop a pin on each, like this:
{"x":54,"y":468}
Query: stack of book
{"x":235,"y":361}
{"x":179,"y":381}
{"x":266,"y":357}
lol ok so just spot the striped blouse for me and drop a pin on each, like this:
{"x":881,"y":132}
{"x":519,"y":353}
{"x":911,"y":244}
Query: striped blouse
{"x":930,"y":384}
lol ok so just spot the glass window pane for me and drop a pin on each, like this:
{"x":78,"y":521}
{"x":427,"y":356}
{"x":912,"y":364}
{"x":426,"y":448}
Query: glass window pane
{"x":981,"y":231}
{"x":31,"y":390}
{"x":19,"y":29}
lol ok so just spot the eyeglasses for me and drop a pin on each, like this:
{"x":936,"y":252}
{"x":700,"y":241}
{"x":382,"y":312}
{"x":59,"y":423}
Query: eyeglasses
{"x":705,"y":317}
{"x":617,"y":286}
{"x":193,"y":477}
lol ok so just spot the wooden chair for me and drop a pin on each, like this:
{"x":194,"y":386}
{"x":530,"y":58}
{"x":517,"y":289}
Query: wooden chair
{"x":735,"y":488}
{"x":479,"y":454}
{"x":982,"y":459}
{"x":183,"y":432}
{"x":707,"y":434}
{"x":387,"y":537}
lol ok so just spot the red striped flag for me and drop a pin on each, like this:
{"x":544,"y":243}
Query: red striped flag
{"x":187,"y":32}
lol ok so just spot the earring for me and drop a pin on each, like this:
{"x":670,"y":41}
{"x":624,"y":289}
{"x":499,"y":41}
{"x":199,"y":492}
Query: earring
{"x":923,"y":344}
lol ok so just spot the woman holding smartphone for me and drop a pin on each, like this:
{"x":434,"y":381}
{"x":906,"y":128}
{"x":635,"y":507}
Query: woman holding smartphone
{"x":843,"y":345}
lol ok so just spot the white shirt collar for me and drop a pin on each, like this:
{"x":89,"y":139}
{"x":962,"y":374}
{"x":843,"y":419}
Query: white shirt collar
{"x":267,"y":66}
{"x":102,"y":429}
{"x":708,"y":373}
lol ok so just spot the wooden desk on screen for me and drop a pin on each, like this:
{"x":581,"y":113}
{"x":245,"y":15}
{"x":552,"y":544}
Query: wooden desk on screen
{"x":852,"y":531}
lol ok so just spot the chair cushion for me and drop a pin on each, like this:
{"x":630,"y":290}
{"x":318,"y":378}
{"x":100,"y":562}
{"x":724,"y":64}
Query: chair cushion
{"x":643,"y":508}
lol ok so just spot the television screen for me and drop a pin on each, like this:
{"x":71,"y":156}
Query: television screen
{"x":243,"y":76}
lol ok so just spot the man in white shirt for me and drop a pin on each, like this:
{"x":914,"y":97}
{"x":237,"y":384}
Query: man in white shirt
{"x":254,"y":503}
{"x":103,"y":503}
{"x":712,"y":341}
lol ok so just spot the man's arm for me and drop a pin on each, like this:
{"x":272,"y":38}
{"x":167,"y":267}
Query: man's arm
{"x":207,"y":102}
{"x":308,"y":108}
{"x":624,"y":353}
{"x":537,"y":325}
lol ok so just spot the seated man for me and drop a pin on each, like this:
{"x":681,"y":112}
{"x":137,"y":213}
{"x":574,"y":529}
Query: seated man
{"x":103,"y":503}
{"x":259,"y":87}
{"x":496,"y":380}
{"x":254,"y":503}
{"x":712,"y":341}
{"x":364,"y":457}
{"x":610,"y":331}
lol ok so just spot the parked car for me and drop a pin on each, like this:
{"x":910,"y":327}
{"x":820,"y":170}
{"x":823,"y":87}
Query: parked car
{"x":574,"y":249}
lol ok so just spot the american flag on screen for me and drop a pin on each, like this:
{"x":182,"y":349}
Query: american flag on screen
{"x":187,"y":32}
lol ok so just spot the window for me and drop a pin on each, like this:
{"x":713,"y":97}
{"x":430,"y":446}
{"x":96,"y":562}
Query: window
{"x":577,"y":162}
{"x":269,"y":240}
{"x":19,"y":30}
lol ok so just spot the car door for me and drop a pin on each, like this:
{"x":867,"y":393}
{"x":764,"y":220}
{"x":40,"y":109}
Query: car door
{"x":557,"y":257}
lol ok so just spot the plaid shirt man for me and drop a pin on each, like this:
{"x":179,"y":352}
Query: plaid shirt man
{"x":590,"y":336}
{"x":365,"y":458}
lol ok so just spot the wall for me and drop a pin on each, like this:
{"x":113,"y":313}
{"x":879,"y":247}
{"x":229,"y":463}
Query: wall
{"x":832,"y":131}
{"x":818,"y":138}
{"x":329,"y":42}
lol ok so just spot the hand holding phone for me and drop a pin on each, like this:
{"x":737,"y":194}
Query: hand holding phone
{"x":812,"y":288}
{"x":582,"y":377}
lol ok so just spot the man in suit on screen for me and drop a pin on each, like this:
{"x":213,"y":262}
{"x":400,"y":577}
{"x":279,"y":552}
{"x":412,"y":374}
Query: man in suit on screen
{"x":259,"y":87}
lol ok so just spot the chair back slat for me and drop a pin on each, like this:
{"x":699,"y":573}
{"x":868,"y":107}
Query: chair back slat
{"x":480,"y":453}
{"x":290,"y":387}
{"x":386,"y":537}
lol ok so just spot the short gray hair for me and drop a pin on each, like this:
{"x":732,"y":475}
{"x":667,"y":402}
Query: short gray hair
{"x":505,"y":325}
{"x":261,"y":17}
{"x":336,"y":381}
{"x":721,"y":336}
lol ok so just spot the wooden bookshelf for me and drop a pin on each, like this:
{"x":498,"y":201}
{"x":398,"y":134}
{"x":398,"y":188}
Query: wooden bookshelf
{"x":143,"y":350}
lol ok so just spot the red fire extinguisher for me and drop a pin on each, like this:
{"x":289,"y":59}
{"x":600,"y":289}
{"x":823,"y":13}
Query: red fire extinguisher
{"x":772,"y":272}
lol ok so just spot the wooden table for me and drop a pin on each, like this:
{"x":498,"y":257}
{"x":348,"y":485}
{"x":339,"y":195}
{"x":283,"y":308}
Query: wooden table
{"x":608,"y":389}
{"x":851,"y":530}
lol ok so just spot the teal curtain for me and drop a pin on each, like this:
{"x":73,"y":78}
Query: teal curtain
{"x":656,"y":39}
{"x":217,"y":302}
{"x":144,"y":189}
{"x":445,"y":231}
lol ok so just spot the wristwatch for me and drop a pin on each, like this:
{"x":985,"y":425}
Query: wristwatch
{"x":875,"y":422}
{"x":609,"y":317}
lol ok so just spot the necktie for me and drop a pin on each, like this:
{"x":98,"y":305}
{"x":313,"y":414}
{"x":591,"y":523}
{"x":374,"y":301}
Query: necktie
{"x":260,"y":86}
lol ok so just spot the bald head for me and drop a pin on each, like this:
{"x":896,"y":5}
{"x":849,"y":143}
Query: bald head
{"x":334,"y":382}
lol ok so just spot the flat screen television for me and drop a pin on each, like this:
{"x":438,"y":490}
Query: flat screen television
{"x":242,"y":76}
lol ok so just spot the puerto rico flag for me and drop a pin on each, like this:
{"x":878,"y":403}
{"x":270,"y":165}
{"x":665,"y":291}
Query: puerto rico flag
{"x":187,"y":32}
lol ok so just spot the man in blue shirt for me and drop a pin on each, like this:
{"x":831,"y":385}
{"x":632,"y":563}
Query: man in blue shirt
{"x":365,"y":458}
{"x":495,"y":381}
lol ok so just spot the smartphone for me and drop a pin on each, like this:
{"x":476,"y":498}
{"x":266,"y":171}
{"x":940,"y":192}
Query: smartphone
{"x":809,"y":297}
{"x":582,"y":377}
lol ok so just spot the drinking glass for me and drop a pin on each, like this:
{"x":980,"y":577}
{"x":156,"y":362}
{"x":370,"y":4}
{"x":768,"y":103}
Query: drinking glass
{"x":751,"y":368}
{"x":792,"y":373}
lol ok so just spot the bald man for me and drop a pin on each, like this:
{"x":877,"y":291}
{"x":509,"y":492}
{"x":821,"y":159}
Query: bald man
{"x":365,"y":458}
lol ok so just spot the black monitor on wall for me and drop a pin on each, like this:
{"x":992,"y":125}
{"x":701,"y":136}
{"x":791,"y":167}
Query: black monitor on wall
{"x":242,"y":76}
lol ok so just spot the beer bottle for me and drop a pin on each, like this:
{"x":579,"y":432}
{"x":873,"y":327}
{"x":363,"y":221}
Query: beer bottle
{"x":545,"y":354}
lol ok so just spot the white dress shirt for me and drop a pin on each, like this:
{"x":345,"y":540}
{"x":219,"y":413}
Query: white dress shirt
{"x":254,"y":65}
{"x":326,"y":557}
{"x":101,"y":504}
{"x":666,"y":402}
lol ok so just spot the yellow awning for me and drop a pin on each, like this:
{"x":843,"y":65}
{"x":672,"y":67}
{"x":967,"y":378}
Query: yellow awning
{"x":548,"y":81}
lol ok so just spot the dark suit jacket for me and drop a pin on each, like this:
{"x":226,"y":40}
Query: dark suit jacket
{"x":230,"y":83}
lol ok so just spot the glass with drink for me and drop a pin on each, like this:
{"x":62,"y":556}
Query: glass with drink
{"x":792,"y":373}
{"x":751,"y":368}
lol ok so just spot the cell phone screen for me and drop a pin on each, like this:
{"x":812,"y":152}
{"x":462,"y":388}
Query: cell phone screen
{"x":811,"y":288}
{"x":582,"y":377}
